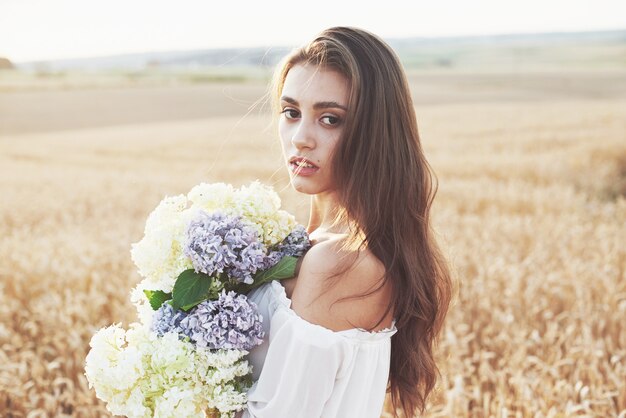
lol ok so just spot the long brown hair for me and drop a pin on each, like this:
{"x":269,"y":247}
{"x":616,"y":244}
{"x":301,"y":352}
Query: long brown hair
{"x":385,"y":187}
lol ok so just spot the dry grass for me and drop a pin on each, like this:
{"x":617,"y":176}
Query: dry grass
{"x":531,"y":211}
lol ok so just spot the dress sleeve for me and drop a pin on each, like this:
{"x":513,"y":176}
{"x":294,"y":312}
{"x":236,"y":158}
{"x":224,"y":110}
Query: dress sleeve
{"x":302,"y":363}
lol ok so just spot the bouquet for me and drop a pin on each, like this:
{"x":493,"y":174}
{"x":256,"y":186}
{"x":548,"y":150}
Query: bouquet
{"x":199,"y":256}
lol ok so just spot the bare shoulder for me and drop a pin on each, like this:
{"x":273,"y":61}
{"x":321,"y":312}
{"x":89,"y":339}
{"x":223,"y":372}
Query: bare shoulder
{"x":356,"y":273}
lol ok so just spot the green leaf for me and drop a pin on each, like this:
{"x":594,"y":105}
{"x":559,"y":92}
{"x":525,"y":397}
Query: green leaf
{"x":190,"y":289}
{"x":284,"y":269}
{"x":157,"y":297}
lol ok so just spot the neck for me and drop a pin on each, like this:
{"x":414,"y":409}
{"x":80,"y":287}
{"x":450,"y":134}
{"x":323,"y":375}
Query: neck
{"x":324,"y":209}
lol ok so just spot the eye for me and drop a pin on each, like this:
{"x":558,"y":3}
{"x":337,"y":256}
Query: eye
{"x":290,"y":113}
{"x":331,"y":120}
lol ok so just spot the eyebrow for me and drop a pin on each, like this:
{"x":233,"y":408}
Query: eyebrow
{"x":318,"y":105}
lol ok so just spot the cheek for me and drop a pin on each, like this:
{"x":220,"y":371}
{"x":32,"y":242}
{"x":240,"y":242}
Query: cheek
{"x":331,"y":144}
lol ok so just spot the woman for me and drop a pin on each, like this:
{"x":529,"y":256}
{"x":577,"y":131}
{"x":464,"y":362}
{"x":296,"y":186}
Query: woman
{"x":370,"y":296}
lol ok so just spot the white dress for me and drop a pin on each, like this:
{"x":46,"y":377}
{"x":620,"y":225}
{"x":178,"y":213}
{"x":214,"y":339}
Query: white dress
{"x":308,"y":371}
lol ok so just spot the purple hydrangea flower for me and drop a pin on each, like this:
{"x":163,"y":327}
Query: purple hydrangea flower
{"x":295,"y":245}
{"x":231,"y":322}
{"x":217,"y":243}
{"x":167,"y":319}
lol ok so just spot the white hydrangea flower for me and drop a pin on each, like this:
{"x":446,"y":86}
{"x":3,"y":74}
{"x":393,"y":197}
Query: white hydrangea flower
{"x":226,"y":398}
{"x":260,"y":205}
{"x":159,"y":255}
{"x":131,"y":405}
{"x":227,"y":374}
{"x":139,"y":299}
{"x":221,"y":358}
{"x":114,"y":370}
{"x":140,"y":374}
{"x":212,"y":197}
{"x":177,"y":401}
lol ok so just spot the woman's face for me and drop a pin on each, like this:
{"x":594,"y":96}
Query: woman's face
{"x":313,"y":107}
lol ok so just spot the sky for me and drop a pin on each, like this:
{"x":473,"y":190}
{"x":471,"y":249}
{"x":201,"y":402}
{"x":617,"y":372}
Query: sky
{"x":33,"y":30}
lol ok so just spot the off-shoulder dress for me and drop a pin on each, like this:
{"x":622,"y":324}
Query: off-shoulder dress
{"x":304,"y":370}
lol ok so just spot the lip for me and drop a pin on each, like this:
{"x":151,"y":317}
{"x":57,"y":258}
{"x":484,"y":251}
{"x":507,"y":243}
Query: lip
{"x":296,"y":159}
{"x":298,"y":170}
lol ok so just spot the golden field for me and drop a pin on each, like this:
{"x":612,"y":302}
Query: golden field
{"x":531,"y":210}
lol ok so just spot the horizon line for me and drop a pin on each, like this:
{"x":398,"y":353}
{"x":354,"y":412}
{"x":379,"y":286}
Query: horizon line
{"x":388,"y":39}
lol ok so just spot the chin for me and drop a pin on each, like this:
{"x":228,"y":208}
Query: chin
{"x":306,"y":186}
{"x":303,"y":188}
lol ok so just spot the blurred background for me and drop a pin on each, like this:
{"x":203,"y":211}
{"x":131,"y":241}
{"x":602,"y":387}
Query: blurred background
{"x":107,"y":107}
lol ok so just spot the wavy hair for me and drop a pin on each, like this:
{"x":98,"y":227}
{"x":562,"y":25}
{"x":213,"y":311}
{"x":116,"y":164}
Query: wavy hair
{"x":385,"y":187}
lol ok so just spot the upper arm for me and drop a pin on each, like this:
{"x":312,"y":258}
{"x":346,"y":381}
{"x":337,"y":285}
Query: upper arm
{"x":320,"y":302}
{"x":302,"y":364}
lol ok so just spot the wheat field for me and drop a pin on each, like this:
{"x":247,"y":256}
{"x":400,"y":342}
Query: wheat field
{"x":531,"y":211}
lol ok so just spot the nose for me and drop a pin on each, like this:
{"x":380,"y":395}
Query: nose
{"x":303,"y":136}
